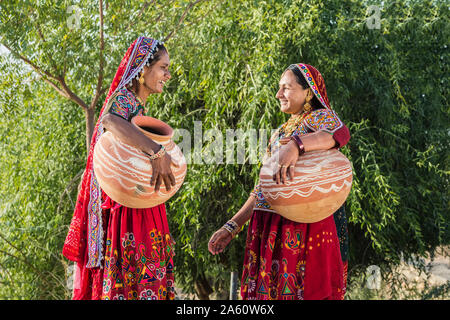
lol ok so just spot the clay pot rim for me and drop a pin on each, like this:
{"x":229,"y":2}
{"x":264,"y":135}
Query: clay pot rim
{"x":139,"y":120}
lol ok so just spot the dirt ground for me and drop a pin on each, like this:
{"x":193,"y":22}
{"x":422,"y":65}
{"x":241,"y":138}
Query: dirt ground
{"x":438,"y":269}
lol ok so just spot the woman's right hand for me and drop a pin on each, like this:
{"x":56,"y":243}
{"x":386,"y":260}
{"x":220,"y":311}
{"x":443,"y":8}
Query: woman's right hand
{"x":161,"y":171}
{"x":219,"y":240}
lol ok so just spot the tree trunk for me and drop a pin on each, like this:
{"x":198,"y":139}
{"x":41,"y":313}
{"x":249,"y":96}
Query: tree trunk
{"x":233,"y":285}
{"x":202,"y":288}
{"x":89,"y":114}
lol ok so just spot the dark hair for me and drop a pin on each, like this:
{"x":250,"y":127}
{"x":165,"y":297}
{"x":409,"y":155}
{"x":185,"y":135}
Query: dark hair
{"x":161,"y":49}
{"x":315,"y":103}
{"x":134,"y":85}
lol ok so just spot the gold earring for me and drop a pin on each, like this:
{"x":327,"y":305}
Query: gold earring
{"x":307,"y":106}
{"x":141,"y":78}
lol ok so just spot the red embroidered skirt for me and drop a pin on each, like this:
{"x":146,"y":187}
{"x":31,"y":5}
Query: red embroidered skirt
{"x":138,"y":261}
{"x":286,"y":260}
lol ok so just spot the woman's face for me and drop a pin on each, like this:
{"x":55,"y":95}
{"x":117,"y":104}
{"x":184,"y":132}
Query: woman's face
{"x":156,"y":75}
{"x":291,"y":94}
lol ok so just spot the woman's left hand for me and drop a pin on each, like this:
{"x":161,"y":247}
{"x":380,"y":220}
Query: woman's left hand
{"x":287,"y":158}
{"x":219,"y":240}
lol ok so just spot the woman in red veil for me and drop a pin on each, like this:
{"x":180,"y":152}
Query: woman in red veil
{"x":120,"y":252}
{"x":286,"y":260}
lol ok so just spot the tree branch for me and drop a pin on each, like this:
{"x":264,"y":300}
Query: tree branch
{"x":105,"y":89}
{"x":47,"y":76}
{"x":36,"y":68}
{"x":24,"y":259}
{"x":26,"y":263}
{"x":68,"y":189}
{"x":214,"y":8}
{"x":72,"y":96}
{"x":41,"y":35}
{"x":183,"y":16}
{"x":55,"y":86}
{"x":133,"y":21}
{"x":9,"y":275}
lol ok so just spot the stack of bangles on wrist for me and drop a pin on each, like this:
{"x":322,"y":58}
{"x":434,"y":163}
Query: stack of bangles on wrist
{"x":157,"y":155}
{"x":301,"y":147}
{"x":232,"y":227}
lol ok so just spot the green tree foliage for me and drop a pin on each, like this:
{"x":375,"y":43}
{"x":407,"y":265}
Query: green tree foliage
{"x":42,"y":153}
{"x":389,"y":85}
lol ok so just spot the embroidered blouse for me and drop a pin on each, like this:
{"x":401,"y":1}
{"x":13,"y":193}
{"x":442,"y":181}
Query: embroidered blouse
{"x":318,"y":120}
{"x":125,"y":105}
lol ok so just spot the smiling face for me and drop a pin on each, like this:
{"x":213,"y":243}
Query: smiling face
{"x":291,"y":94}
{"x":157,"y":74}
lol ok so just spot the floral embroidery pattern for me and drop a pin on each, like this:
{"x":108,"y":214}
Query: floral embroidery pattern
{"x":265,"y":278}
{"x":324,"y":120}
{"x":143,"y":49}
{"x":125,"y":105}
{"x":278,"y":252}
{"x":138,"y":272}
{"x":315,"y":84}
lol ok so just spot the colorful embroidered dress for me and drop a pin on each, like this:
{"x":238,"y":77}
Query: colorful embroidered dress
{"x":120,"y":252}
{"x":125,"y":105}
{"x":286,"y":260}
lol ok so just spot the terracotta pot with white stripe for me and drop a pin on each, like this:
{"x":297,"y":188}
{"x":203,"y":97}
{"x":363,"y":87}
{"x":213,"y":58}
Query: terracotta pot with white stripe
{"x":321,"y":184}
{"x":124,"y":172}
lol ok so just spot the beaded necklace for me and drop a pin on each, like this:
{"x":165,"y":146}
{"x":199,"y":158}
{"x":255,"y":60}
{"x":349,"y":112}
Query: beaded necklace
{"x":287,"y":129}
{"x":139,"y":99}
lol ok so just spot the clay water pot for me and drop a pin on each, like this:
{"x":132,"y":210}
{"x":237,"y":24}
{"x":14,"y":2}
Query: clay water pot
{"x":124,"y":172}
{"x":321,"y":184}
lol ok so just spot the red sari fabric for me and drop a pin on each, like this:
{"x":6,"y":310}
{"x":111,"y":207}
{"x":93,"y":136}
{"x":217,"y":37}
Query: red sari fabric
{"x":139,"y":255}
{"x":138,"y":262}
{"x":286,"y":260}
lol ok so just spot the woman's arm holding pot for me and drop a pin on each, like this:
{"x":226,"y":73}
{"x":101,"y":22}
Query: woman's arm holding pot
{"x":290,"y":151}
{"x":129,"y":134}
